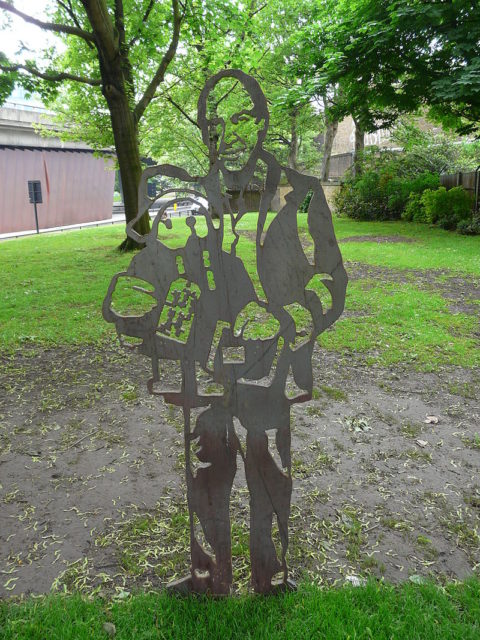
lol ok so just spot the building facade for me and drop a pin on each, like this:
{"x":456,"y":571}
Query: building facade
{"x":76,"y":186}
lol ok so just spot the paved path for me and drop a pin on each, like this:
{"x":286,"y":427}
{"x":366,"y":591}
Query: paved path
{"x":115,"y":219}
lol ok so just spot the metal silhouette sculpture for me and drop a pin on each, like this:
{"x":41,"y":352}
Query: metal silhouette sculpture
{"x":199,"y":292}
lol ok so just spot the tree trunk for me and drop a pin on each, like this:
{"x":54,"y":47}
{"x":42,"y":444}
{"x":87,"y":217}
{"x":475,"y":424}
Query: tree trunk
{"x":293,"y":148}
{"x":359,"y":146}
{"x":330,"y":133}
{"x":117,"y":84}
{"x":125,"y":132}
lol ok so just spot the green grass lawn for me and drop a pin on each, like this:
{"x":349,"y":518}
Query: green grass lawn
{"x":433,"y":248}
{"x":53,"y":287}
{"x":408,"y":612}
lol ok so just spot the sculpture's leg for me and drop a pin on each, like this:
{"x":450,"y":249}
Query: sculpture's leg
{"x":270,"y":493}
{"x":208,"y":492}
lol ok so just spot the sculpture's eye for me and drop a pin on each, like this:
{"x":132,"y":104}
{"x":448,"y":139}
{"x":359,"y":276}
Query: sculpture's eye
{"x":237,"y":117}
{"x":133,"y":297}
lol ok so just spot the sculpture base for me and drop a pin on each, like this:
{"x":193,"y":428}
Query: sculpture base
{"x":282,"y":586}
{"x":189,"y":586}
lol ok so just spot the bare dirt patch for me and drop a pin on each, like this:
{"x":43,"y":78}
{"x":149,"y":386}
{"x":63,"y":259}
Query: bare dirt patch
{"x":92,"y":493}
{"x":379,"y":239}
{"x":463,"y":291}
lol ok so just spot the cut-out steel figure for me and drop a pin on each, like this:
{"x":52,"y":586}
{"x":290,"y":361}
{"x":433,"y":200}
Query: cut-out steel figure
{"x":200,"y":293}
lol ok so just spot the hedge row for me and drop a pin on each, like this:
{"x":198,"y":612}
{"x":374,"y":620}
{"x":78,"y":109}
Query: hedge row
{"x":380,"y":195}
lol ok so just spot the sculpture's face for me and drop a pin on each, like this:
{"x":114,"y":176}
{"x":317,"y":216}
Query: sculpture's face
{"x":236,"y":132}
{"x":240,"y":137}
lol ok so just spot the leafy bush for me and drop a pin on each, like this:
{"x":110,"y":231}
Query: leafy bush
{"x":447,"y":208}
{"x":469,"y":227}
{"x":414,"y":209}
{"x":435,"y":204}
{"x":432,"y":150}
{"x":303,"y":208}
{"x":361,"y":199}
{"x":380,"y":195}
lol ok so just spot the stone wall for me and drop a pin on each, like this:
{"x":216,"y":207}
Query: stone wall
{"x":330,"y":190}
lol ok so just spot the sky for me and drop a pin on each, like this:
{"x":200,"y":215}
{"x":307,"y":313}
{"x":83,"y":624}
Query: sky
{"x":15,"y":32}
{"x":18,"y":31}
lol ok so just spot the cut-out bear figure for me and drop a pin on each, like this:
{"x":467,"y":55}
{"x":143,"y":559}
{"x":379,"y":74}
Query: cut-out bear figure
{"x":201,"y":294}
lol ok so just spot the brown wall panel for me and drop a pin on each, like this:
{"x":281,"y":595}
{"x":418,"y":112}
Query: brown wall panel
{"x":76,"y":188}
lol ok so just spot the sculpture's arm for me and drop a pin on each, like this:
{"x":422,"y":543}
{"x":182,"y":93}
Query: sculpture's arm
{"x":272,"y":181}
{"x":327,"y":256}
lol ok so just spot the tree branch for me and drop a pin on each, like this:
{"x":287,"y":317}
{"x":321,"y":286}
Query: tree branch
{"x":253,"y":12}
{"x":48,"y":26}
{"x":192,"y":153}
{"x":225,"y":95}
{"x":120,"y":22}
{"x":69,"y":9}
{"x":144,"y":20}
{"x":51,"y":77}
{"x":280,"y":138}
{"x":105,"y":38}
{"x":183,"y":112}
{"x":160,"y":74}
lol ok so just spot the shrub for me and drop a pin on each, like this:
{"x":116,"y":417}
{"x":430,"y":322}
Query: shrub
{"x":469,"y":227}
{"x":435,"y":204}
{"x":380,"y":195}
{"x":400,"y":189}
{"x":360,"y":199}
{"x":447,"y":208}
{"x":303,"y":208}
{"x":414,"y":209}
{"x":461,"y":202}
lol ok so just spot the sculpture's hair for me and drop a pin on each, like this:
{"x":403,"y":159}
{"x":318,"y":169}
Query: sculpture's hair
{"x":260,"y":108}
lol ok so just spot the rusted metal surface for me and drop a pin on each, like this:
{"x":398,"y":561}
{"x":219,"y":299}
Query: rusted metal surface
{"x":199,"y":293}
{"x":76,"y":188}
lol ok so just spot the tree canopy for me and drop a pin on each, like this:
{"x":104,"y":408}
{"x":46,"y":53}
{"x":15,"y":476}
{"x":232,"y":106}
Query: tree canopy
{"x":392,"y":57}
{"x":128,"y":72}
{"x":106,"y":43}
